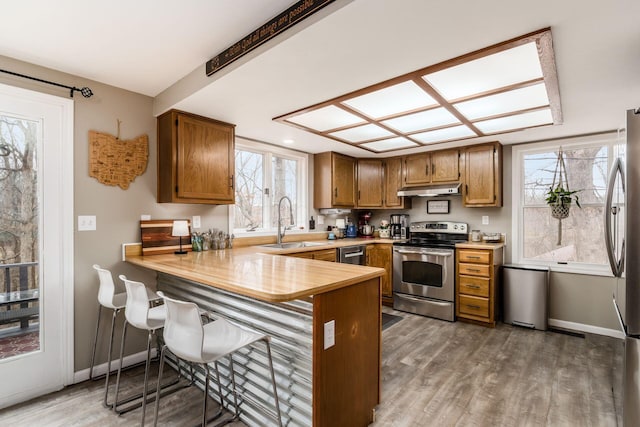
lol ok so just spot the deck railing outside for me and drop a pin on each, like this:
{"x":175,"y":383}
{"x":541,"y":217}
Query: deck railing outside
{"x":19,"y":294}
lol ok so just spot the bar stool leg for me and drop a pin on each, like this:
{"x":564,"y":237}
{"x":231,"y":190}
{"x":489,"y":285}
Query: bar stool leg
{"x":95,"y":342}
{"x":206,"y":394}
{"x":124,"y":334}
{"x":157,"y":406}
{"x":106,"y":383}
{"x":146,"y":377}
{"x":236,"y":408}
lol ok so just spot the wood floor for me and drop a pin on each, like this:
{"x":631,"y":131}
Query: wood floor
{"x":434,"y":373}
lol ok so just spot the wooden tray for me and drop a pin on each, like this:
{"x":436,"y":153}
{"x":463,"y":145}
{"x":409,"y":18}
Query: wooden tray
{"x":156,"y":237}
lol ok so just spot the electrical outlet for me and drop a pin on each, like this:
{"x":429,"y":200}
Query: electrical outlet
{"x":145,"y":217}
{"x":329,"y":334}
{"x":485,"y":219}
{"x":86,"y":222}
{"x":195,"y":221}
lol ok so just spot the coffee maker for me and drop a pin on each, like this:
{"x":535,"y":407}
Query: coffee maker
{"x":399,"y":224}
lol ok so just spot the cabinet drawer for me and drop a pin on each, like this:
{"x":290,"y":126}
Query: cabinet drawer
{"x":475,"y":306}
{"x":480,"y":257}
{"x":473,"y":286}
{"x":474,"y":269}
{"x":325,"y":255}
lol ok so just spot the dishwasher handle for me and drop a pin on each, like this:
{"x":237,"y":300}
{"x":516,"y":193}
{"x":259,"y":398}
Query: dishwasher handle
{"x":353,"y":254}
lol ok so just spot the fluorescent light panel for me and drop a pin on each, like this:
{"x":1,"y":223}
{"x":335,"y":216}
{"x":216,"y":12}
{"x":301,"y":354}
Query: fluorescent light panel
{"x":389,"y":144}
{"x":362,"y":133}
{"x":518,"y":121}
{"x":394,"y":99}
{"x":421,"y":121}
{"x":498,"y":89}
{"x":516,"y":65}
{"x":327,"y":118}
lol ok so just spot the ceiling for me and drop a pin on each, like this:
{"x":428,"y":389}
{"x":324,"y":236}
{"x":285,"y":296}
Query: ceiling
{"x":157,"y":48}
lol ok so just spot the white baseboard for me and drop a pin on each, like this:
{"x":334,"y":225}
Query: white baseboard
{"x":586,"y":328}
{"x":130,"y":360}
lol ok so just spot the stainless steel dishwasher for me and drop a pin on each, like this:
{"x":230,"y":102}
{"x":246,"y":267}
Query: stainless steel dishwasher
{"x":352,"y":254}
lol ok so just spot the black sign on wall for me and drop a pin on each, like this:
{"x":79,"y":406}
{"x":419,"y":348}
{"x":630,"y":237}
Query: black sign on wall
{"x":294,"y":14}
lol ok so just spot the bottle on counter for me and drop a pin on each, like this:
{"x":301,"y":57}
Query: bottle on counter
{"x":312,"y":224}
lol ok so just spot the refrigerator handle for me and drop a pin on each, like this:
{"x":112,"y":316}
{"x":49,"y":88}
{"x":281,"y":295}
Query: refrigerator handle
{"x":617,"y":265}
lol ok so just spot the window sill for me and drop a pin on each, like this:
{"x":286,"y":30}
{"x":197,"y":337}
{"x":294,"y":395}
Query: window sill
{"x":243,"y":233}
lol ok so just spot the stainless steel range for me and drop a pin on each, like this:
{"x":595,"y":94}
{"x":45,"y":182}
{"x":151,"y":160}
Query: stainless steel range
{"x":424,"y":269}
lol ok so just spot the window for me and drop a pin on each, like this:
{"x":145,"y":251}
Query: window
{"x":265,"y":174}
{"x":582,"y":247}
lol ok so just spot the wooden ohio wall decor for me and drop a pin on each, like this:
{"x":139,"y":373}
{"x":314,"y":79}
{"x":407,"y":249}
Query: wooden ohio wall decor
{"x":113,"y":161}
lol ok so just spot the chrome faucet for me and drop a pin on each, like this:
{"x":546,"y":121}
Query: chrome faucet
{"x":282,"y":230}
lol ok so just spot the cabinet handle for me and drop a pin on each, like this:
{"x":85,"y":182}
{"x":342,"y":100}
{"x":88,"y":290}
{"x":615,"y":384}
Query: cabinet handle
{"x":335,"y":192}
{"x":474,"y":270}
{"x":433,"y":168}
{"x":473,"y":286}
{"x":473,"y":257}
{"x":475,"y":307}
{"x":358,"y":194}
{"x":231,"y":179}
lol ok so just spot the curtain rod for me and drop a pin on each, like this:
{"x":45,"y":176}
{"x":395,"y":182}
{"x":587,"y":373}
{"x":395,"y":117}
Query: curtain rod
{"x":85,"y":91}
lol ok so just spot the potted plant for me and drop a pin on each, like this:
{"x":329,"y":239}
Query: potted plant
{"x":560,"y":200}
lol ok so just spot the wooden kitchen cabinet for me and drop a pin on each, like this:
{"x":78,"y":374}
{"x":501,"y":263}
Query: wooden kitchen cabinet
{"x":476,"y":284}
{"x":381,"y":255}
{"x":482,"y":175}
{"x":322,"y":255}
{"x":393,"y":183}
{"x":334,"y":181}
{"x":431,"y":168}
{"x":370,"y":183}
{"x":195,"y":159}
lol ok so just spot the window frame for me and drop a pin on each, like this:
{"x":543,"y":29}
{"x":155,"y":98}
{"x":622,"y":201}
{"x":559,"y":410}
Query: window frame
{"x":610,"y":139}
{"x":268,"y":151}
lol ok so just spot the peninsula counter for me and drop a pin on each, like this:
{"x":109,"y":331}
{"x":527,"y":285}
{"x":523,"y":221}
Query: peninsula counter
{"x":301,"y":304}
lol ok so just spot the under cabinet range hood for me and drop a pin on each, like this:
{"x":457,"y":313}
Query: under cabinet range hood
{"x":431,"y":191}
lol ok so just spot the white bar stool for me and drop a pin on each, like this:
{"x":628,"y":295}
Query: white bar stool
{"x":139,"y":314}
{"x":107,"y":298}
{"x":186,"y":337}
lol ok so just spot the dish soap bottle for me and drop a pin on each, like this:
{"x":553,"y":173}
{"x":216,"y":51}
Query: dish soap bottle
{"x":312,"y":224}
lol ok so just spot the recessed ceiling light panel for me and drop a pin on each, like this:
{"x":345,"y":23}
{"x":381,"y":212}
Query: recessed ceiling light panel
{"x":505,"y":102}
{"x":446,"y":134}
{"x":421,"y":121}
{"x":501,"y":69}
{"x":518,"y":121}
{"x":362,"y":133}
{"x":389,"y":144}
{"x":322,"y":119}
{"x":394,"y":99}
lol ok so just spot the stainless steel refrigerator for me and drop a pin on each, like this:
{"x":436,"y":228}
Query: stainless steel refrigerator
{"x":622,"y":234}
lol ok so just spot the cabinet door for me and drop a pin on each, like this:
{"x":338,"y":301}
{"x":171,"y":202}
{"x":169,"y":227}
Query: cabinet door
{"x":445,"y":166}
{"x":393,"y":183}
{"x":205,"y":160}
{"x":379,"y":255}
{"x":417,"y":169}
{"x":483,"y":175}
{"x":370,"y":183}
{"x":343,"y":179}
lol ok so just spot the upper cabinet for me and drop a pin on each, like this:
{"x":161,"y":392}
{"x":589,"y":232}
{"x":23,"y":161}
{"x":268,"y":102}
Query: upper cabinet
{"x":482,"y":175}
{"x":393,"y":183}
{"x":431,"y":168}
{"x":370,"y":182}
{"x":195,"y":159}
{"x":334,"y":181}
{"x":378,"y":182}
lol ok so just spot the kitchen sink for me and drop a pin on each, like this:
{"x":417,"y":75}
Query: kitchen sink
{"x":294,"y":245}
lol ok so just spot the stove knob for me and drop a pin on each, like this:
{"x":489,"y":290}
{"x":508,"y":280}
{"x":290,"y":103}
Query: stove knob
{"x":455,"y":227}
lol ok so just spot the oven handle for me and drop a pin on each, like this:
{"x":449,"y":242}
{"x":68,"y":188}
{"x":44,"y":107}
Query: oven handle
{"x":423,"y":252}
{"x":410,"y":298}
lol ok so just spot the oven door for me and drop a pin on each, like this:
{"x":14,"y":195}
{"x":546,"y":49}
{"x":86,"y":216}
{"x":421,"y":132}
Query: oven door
{"x":424,"y":272}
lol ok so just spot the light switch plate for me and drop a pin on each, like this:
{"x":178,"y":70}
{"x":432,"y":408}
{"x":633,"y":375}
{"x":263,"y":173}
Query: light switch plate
{"x":329,"y":334}
{"x":86,"y":222}
{"x":485,"y":219}
{"x":195,"y":221}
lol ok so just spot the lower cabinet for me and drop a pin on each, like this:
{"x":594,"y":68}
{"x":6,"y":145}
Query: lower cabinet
{"x":381,"y":255}
{"x":477,"y":297}
{"x":322,"y":255}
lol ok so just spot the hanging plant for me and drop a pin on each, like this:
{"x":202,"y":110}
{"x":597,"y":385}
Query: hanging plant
{"x":560,"y":198}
